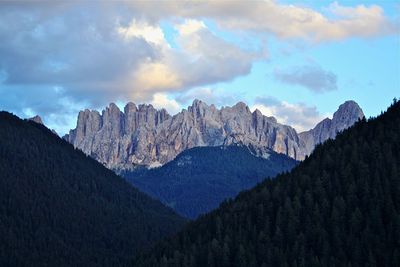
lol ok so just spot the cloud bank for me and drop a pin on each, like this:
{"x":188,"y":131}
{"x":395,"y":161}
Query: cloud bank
{"x":284,"y":21}
{"x":57,"y":57}
{"x":94,"y":56}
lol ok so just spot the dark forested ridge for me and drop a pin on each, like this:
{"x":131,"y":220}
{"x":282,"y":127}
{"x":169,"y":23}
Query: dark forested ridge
{"x":199,"y":179}
{"x":59,"y":207}
{"x":340,"y":207}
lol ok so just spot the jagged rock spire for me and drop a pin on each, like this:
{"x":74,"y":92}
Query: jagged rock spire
{"x":144,"y":135}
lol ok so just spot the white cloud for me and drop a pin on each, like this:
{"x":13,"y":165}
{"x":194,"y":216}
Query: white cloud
{"x":156,"y":76}
{"x":209,"y":58}
{"x":162,"y":101}
{"x":190,"y":26}
{"x":105,"y":58}
{"x":299,"y":115}
{"x":201,"y":59}
{"x":137,"y":29}
{"x":284,"y":21}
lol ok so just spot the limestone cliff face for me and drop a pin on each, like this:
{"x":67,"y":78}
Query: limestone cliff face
{"x":203,"y":125}
{"x":347,"y":114}
{"x":145,"y":136}
{"x":118,"y":139}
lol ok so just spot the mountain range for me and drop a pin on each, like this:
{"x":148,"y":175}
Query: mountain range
{"x":146,"y":146}
{"x":143,"y":135}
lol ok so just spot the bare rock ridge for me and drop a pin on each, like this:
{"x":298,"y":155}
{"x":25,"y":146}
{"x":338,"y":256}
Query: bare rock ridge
{"x":347,"y":114}
{"x":145,"y":136}
{"x":36,"y":119}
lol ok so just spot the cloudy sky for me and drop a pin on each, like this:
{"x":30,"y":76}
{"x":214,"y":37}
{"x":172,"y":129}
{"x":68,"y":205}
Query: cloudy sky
{"x":295,"y":60}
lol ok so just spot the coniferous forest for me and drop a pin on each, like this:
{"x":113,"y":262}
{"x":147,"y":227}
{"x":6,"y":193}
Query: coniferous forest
{"x":199,"y":179}
{"x":340,"y":207}
{"x":199,"y":133}
{"x":58,"y":207}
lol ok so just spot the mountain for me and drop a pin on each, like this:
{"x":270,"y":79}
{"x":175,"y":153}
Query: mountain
{"x":347,"y":114}
{"x":59,"y":207}
{"x":39,"y":120}
{"x":146,"y":136}
{"x":36,"y":119}
{"x":339,"y":207}
{"x":200,"y":178}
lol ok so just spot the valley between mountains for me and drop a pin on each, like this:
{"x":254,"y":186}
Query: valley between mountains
{"x":178,"y":159}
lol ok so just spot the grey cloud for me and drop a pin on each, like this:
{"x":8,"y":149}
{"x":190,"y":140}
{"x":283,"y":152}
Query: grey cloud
{"x":78,"y":47}
{"x":57,"y":109}
{"x":312,"y":77}
{"x":75,"y":46}
{"x":217,"y":60}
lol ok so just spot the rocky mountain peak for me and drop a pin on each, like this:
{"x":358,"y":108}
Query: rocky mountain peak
{"x":257,"y":112}
{"x":112,"y":114}
{"x":347,"y":114}
{"x":241,"y":107}
{"x":36,"y":119}
{"x":197,"y":102}
{"x":143,"y":135}
{"x":146,"y":108}
{"x":349,"y":105}
{"x":130,"y":108}
{"x":199,"y":109}
{"x":113,"y":107}
{"x":257,"y":116}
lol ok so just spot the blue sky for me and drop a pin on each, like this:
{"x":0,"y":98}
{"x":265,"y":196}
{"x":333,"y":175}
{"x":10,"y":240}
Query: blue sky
{"x":295,"y":60}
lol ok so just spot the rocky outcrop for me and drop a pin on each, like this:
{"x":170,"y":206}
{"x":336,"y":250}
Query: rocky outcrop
{"x":347,"y":114}
{"x":36,"y":119}
{"x":145,"y":136}
{"x":119,"y":139}
{"x":39,"y":120}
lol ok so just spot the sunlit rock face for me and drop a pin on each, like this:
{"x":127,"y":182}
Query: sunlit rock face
{"x":145,"y":136}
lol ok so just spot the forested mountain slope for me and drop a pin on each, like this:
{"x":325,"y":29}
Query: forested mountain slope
{"x":200,"y":178}
{"x":59,"y":207}
{"x":340,"y":207}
